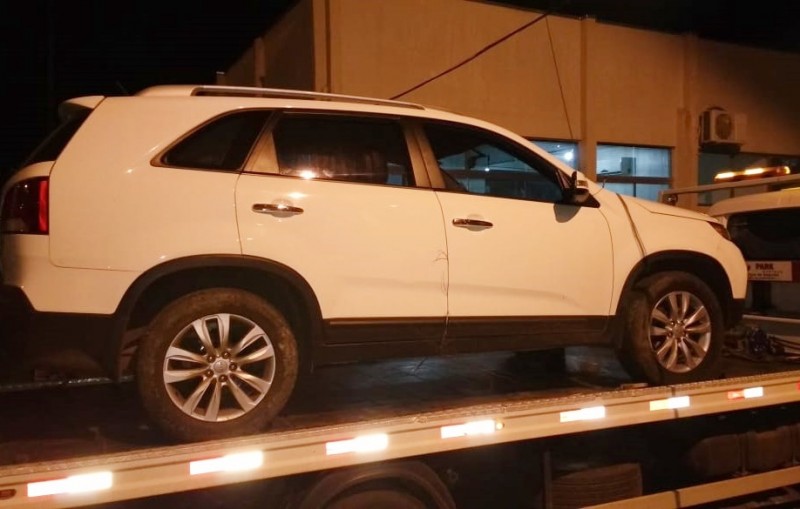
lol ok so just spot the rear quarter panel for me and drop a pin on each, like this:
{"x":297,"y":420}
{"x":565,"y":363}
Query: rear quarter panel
{"x":112,"y":210}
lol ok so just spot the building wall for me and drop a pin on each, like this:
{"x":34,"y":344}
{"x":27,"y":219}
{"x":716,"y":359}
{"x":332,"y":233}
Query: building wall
{"x":759,"y":83}
{"x":635,"y":85}
{"x":242,"y":72}
{"x":284,"y":57}
{"x":562,"y":78}
{"x":406,"y":42}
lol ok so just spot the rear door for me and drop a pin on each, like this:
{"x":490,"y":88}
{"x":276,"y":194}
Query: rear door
{"x":336,"y":198}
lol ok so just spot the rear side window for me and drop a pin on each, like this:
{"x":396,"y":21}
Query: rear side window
{"x":222,"y":144}
{"x":54,"y":144}
{"x":768,"y":234}
{"x":364,"y":150}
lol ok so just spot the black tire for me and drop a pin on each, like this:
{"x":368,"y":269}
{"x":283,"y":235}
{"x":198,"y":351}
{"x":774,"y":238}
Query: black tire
{"x":596,"y":486}
{"x":696,"y":354}
{"x":248,"y":395}
{"x":383,"y":498}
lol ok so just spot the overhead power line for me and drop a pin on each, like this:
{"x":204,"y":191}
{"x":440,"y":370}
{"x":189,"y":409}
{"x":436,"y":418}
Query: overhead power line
{"x":473,"y":57}
{"x":558,"y":77}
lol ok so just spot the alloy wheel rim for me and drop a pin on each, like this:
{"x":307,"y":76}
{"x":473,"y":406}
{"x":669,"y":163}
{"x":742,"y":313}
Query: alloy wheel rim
{"x":219,"y":367}
{"x":680,"y":331}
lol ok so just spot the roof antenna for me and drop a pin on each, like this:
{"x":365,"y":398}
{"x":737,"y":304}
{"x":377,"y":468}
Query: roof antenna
{"x":122,"y":88}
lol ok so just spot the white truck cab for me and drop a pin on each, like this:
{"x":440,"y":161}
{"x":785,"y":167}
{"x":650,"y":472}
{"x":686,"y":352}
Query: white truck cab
{"x":762,"y":215}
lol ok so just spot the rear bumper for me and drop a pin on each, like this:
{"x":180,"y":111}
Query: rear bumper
{"x":68,"y":342}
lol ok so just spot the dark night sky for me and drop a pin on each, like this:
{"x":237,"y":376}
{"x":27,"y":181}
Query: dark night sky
{"x":52,"y":50}
{"x":55,"y":49}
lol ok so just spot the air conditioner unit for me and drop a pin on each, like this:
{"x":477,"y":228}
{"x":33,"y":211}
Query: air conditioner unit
{"x":721,"y":127}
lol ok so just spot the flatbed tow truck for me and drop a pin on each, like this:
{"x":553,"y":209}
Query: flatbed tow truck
{"x":470,"y":431}
{"x":493,"y":430}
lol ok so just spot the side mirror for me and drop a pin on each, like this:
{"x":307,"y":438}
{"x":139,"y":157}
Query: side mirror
{"x":578,"y":191}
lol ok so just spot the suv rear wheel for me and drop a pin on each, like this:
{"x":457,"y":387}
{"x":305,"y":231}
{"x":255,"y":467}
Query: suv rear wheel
{"x":674,"y":329}
{"x":216,"y":363}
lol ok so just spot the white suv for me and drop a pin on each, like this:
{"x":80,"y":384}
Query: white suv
{"x":223,"y":237}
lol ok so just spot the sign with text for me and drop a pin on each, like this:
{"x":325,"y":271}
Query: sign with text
{"x":773,"y":270}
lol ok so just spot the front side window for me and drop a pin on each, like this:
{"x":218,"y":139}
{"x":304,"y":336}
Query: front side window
{"x":362,"y":150}
{"x":567,"y":151}
{"x":222,"y":144}
{"x":480,"y":162}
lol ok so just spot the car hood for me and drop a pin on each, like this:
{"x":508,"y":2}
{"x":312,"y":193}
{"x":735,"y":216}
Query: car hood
{"x":665,"y":210}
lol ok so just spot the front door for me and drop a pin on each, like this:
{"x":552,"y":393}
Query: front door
{"x":522,"y":263}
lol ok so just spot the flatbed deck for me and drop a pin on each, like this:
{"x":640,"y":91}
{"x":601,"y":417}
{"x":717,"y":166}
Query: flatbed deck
{"x":55,"y":432}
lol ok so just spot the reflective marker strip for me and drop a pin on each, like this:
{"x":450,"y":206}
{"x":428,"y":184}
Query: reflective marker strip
{"x":83,"y":483}
{"x":367,"y":443}
{"x":670,"y":403}
{"x":231,"y":463}
{"x":584,"y":414}
{"x":750,"y":392}
{"x":486,"y":427}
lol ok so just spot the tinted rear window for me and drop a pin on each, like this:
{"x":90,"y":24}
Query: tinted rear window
{"x":222,"y":144}
{"x":767,"y":235}
{"x":54,"y":144}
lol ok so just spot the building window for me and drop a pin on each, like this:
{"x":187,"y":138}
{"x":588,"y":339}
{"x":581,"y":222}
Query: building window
{"x":635,"y":171}
{"x":566,"y":151}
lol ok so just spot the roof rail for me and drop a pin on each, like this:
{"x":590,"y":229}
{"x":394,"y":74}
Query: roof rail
{"x":296,"y":94}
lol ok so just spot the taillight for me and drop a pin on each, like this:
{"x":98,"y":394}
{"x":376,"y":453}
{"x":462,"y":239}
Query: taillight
{"x":26,"y":207}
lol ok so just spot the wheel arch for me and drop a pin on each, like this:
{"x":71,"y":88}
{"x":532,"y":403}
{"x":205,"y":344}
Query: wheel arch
{"x":282,"y":286}
{"x":706,"y":268}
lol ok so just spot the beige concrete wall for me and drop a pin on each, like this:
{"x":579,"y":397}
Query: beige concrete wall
{"x":759,"y":83}
{"x":635,"y":85}
{"x":243,"y":71}
{"x":283,"y":57}
{"x":597,"y":83}
{"x":382,"y":48}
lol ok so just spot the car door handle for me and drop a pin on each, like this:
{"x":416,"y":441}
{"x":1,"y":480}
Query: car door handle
{"x":471,"y":223}
{"x":272,"y":208}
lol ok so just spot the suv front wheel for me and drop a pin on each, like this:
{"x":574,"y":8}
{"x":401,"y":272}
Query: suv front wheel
{"x":674,"y":329}
{"x":216,"y":363}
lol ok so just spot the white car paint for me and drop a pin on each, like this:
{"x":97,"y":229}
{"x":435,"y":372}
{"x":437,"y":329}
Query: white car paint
{"x":537,"y":259}
{"x":367,"y":251}
{"x":112,"y":211}
{"x":667,"y":228}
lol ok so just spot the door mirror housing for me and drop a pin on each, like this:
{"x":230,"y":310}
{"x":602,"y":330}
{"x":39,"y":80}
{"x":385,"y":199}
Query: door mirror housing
{"x":578,"y":190}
